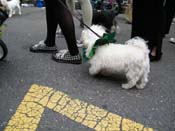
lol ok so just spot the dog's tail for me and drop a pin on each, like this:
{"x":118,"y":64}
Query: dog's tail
{"x":138,"y":42}
{"x":141,"y":45}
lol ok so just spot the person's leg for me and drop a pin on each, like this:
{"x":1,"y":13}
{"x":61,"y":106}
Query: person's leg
{"x":170,"y":12}
{"x":71,"y":5}
{"x":66,"y":23}
{"x":141,"y":18}
{"x":86,"y":11}
{"x":57,"y":13}
{"x":148,"y":24}
{"x":65,"y":20}
{"x":158,"y":31}
{"x":48,"y":45}
{"x":52,"y":22}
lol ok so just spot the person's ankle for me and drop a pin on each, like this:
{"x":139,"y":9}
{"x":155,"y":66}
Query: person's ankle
{"x":156,"y":57}
{"x":49,"y":44}
{"x":74,"y":54}
{"x":153,"y":52}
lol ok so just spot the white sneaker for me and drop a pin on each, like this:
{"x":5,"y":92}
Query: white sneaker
{"x":172,"y":40}
{"x":42,"y":47}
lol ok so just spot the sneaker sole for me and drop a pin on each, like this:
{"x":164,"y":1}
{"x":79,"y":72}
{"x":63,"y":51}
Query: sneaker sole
{"x":43,"y":51}
{"x":68,"y":62}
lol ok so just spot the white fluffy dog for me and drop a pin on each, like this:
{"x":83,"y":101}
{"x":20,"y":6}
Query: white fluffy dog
{"x":131,"y":58}
{"x":11,"y":6}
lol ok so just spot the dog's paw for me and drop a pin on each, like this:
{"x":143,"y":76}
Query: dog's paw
{"x":10,"y":15}
{"x":126,"y":86}
{"x":140,"y":86}
{"x":93,"y":71}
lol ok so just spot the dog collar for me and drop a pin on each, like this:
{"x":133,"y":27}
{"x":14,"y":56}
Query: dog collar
{"x":106,"y":39}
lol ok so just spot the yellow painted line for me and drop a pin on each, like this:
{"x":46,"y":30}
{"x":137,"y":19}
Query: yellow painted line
{"x":38,"y":98}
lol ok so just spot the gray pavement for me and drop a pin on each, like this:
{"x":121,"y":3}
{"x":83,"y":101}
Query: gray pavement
{"x":153,"y":107}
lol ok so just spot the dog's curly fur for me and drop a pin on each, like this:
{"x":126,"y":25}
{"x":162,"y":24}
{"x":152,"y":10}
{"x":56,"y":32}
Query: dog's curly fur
{"x":131,"y":58}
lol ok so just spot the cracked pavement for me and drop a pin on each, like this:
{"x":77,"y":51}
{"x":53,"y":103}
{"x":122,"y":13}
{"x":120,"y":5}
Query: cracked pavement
{"x":85,"y":95}
{"x":30,"y":111}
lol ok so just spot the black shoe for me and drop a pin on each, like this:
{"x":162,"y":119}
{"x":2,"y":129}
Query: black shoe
{"x":41,"y":47}
{"x":155,"y":58}
{"x":63,"y":56}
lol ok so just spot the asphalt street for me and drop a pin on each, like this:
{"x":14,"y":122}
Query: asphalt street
{"x":153,"y":106}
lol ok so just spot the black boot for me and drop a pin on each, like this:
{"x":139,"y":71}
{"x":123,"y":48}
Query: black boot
{"x":157,"y":57}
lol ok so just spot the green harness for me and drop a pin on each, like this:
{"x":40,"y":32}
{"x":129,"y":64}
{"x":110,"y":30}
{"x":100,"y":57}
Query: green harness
{"x":106,"y":39}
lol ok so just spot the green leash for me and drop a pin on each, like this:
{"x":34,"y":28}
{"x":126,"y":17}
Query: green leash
{"x":106,"y":39}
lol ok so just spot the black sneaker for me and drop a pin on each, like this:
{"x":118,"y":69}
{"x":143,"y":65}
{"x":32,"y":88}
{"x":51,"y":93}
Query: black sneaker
{"x":155,"y":58}
{"x":63,"y":56}
{"x":41,"y":47}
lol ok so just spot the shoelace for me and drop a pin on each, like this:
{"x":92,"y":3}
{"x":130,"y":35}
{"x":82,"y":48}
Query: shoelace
{"x":61,"y":53}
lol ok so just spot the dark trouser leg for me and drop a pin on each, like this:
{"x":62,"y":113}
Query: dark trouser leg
{"x":159,"y":23}
{"x":148,"y":23}
{"x":65,"y":20}
{"x":51,"y":23}
{"x":67,"y":25}
{"x":169,"y":12}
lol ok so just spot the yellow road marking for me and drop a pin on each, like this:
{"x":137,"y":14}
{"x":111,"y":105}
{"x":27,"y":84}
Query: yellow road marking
{"x":29,"y":112}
